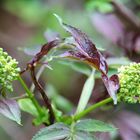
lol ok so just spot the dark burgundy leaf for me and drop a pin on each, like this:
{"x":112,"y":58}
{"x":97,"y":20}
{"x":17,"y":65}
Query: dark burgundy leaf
{"x":74,"y":55}
{"x":44,"y":50}
{"x":83,"y":50}
{"x":10,"y":109}
{"x":114,"y":80}
{"x":87,"y":48}
{"x":112,"y":85}
{"x":87,"y":52}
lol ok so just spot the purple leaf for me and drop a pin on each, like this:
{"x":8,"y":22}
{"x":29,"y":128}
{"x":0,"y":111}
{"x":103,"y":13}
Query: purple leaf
{"x":83,"y":50}
{"x":87,"y":52}
{"x":112,"y":85}
{"x":44,"y":50}
{"x":87,"y":48}
{"x":114,"y":81}
{"x":10,"y":109}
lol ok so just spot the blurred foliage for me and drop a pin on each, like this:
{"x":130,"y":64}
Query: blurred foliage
{"x":102,"y":6}
{"x":28,"y":10}
{"x":58,"y":100}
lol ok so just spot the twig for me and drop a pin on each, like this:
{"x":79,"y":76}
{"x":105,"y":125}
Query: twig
{"x":44,"y":96}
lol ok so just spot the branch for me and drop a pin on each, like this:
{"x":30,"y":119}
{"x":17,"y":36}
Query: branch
{"x":44,"y":96}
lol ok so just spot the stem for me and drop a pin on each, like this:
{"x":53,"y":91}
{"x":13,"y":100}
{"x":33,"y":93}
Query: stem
{"x":44,"y":96}
{"x":30,"y":95}
{"x":91,"y":108}
{"x":37,"y":76}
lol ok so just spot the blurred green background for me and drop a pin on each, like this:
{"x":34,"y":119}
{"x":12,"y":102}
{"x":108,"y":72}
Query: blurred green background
{"x":23,"y":25}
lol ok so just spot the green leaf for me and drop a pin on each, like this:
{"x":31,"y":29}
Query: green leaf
{"x":51,"y":135}
{"x":80,"y":135}
{"x":91,"y":125}
{"x":81,"y":67}
{"x":27,"y":106}
{"x":58,"y":113}
{"x":77,"y":66}
{"x":86,"y":93}
{"x":56,"y":131}
{"x":59,"y":19}
{"x":43,"y":118}
{"x":102,"y":5}
{"x":10,"y":109}
{"x":117,"y":62}
{"x":58,"y":100}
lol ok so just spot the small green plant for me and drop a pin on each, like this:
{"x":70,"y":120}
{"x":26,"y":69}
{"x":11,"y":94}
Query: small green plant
{"x":124,"y":87}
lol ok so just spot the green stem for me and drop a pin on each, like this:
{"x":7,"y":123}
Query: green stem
{"x":91,"y":108}
{"x":30,"y":95}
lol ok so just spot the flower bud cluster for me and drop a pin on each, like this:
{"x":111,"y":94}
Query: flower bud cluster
{"x":129,"y":77}
{"x":9,"y":71}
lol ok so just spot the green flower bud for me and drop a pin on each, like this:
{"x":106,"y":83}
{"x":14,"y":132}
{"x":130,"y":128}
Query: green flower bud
{"x":129,"y":77}
{"x":9,"y":71}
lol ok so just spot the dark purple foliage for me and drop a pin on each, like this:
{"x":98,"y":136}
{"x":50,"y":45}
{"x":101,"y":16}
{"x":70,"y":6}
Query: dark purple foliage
{"x":87,"y":52}
{"x":83,"y":50}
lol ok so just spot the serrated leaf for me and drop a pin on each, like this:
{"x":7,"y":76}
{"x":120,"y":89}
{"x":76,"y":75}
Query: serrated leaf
{"x":27,"y":106}
{"x":84,"y":136}
{"x":86,"y":93}
{"x":91,"y":125}
{"x":56,"y":131}
{"x":10,"y":109}
{"x":52,"y":135}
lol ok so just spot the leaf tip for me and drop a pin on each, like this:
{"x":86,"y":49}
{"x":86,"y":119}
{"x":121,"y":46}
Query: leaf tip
{"x":19,"y":122}
{"x":115,"y":101}
{"x":58,"y":18}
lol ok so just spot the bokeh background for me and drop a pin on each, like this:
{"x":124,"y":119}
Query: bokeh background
{"x":114,"y":26}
